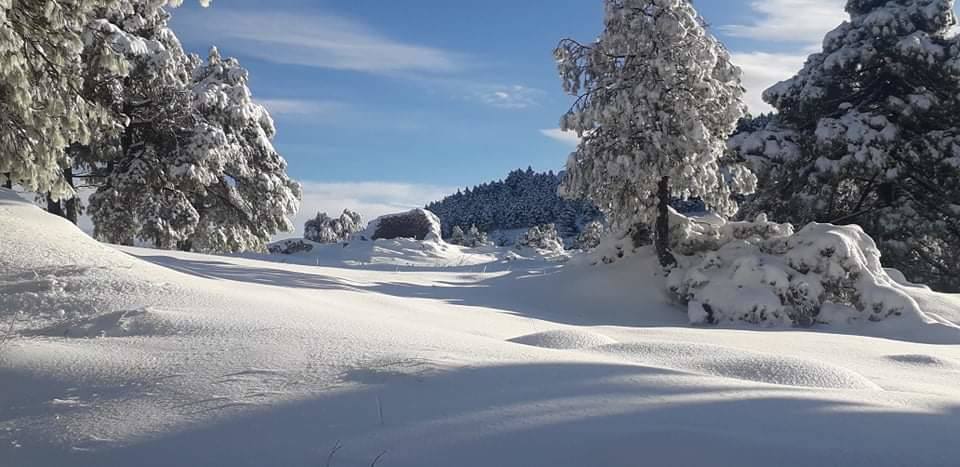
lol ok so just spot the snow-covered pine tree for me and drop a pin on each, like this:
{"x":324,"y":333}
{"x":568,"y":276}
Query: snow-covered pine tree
{"x":198,"y":170}
{"x":42,"y":109}
{"x":868,"y":133}
{"x":475,"y":237}
{"x":43,"y":106}
{"x":657,"y":99}
{"x":139,"y":192}
{"x":457,"y":236}
{"x":523,"y":200}
{"x":247,"y":196}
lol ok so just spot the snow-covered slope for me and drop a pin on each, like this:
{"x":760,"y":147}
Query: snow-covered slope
{"x":162,"y":358}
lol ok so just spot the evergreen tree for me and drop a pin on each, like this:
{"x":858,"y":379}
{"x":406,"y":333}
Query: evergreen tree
{"x":247,"y":196}
{"x":657,"y":99}
{"x":476,"y":238}
{"x":197,"y":170}
{"x":45,"y":53}
{"x":42,"y":107}
{"x":457,"y":236}
{"x":868,"y":133}
{"x":522,"y":200}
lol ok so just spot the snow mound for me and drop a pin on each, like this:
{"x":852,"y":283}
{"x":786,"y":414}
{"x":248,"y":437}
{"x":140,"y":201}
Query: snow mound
{"x":52,"y":272}
{"x":739,"y":364}
{"x":763,"y":272}
{"x":923,"y":360}
{"x":564,"y":339}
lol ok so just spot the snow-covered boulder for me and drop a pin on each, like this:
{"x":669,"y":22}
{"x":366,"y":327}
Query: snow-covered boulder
{"x":763,"y":272}
{"x":418,"y":224}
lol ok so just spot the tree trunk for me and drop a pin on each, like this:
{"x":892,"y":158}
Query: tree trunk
{"x":185,"y":245}
{"x":54,"y":207}
{"x":72,"y":205}
{"x":662,"y":240}
{"x":8,"y":183}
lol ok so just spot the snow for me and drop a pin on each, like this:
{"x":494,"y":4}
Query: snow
{"x":143,"y":357}
{"x":564,"y":339}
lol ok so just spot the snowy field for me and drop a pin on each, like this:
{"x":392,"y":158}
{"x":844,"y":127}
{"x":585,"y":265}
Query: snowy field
{"x":400,"y":354}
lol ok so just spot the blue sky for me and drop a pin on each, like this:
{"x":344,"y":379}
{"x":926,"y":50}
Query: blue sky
{"x":382,"y":105}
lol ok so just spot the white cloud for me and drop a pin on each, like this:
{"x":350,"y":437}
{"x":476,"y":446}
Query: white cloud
{"x":318,"y":40}
{"x":802,"y":23}
{"x":798,"y":21}
{"x":762,"y":70}
{"x":510,"y":97}
{"x":569,"y":138}
{"x":370,"y":199}
{"x":302,"y":107}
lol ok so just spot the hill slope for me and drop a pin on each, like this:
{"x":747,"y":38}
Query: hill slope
{"x":143,"y":357}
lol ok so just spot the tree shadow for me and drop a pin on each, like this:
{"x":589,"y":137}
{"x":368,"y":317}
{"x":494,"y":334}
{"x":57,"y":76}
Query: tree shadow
{"x":220,"y":270}
{"x":555,"y":414}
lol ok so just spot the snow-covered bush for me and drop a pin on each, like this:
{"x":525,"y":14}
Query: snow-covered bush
{"x":590,"y":237}
{"x":764,"y":273}
{"x":541,"y":237}
{"x":290,"y":247}
{"x":472,"y":237}
{"x":325,"y":229}
{"x":418,"y":224}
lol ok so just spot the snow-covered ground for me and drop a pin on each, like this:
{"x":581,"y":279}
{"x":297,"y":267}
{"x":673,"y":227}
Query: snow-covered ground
{"x":435,"y":356}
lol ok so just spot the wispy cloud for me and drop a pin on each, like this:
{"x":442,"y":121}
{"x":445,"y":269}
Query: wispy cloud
{"x":319,"y":40}
{"x":762,"y":70}
{"x":303,"y":107}
{"x":509,"y":97}
{"x":569,"y":138}
{"x":798,"y":21}
{"x":370,"y":199}
{"x":798,"y":24}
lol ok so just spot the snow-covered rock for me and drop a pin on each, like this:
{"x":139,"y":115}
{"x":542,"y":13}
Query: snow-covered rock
{"x":418,"y":224}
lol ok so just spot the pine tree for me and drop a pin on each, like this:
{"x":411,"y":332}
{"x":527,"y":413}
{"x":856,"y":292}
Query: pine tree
{"x":868,"y":133}
{"x":42,"y":108}
{"x":522,"y":200}
{"x":139,"y":195}
{"x":457,"y":236}
{"x":43,"y":104}
{"x":657,"y":99}
{"x":197,"y":170}
{"x":247,"y":196}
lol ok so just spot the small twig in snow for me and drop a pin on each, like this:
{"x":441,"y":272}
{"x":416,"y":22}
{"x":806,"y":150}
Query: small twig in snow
{"x":377,"y":459}
{"x":333,"y":452}
{"x":380,"y":409}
